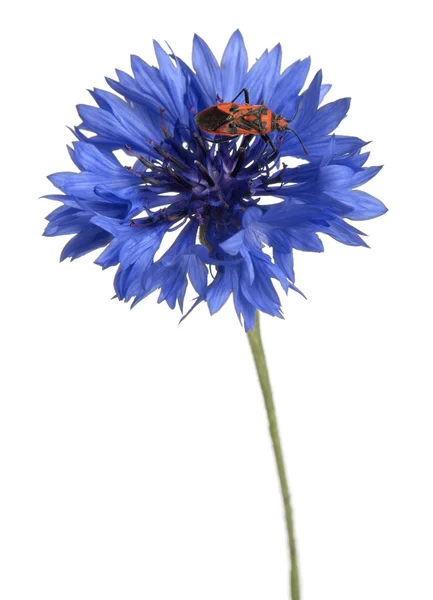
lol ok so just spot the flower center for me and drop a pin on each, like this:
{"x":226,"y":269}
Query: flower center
{"x":212,"y":183}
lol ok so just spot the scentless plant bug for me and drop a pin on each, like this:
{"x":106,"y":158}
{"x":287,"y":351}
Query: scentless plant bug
{"x":232,"y":119}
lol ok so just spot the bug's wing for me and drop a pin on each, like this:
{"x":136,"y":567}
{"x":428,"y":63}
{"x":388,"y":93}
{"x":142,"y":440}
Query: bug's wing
{"x":211,"y":119}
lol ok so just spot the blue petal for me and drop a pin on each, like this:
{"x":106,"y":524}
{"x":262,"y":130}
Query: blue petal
{"x":89,"y":158}
{"x":134,"y":94}
{"x":364,"y":206}
{"x":196,"y":96}
{"x":308,"y":241}
{"x":173,"y":78}
{"x":272,"y":73}
{"x":344,"y":233}
{"x":105,"y":124}
{"x":87,"y":240}
{"x":219,"y":290}
{"x":234,"y":67}
{"x":261,"y":292}
{"x":309,"y":104}
{"x":67,"y":200}
{"x":173,"y":288}
{"x":324,"y":89}
{"x":65,"y":220}
{"x":365,"y":175}
{"x":83,"y":184}
{"x":144,"y":243}
{"x":255,"y":78}
{"x":130,"y":119}
{"x":334,"y":176}
{"x":198,"y":274}
{"x":328,"y":117}
{"x":207,"y":69}
{"x":290,"y":84}
{"x":152,"y":85}
{"x":341,"y":176}
{"x":318,"y":147}
{"x":285,"y":261}
{"x":234,"y":244}
{"x":110,"y":256}
{"x":77,"y":184}
{"x":251,"y":215}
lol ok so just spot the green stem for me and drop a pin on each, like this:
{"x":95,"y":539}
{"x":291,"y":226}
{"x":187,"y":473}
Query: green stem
{"x":256,"y":345}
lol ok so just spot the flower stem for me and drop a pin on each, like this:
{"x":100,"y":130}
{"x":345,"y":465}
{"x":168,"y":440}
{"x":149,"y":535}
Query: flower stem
{"x":255,"y":340}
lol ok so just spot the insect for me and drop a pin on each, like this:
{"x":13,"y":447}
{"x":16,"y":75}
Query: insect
{"x":232,"y":119}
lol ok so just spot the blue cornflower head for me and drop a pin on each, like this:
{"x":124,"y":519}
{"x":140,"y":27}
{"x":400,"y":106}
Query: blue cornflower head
{"x":232,"y":211}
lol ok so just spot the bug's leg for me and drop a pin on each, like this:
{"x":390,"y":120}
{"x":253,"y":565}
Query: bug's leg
{"x":259,"y":160}
{"x":273,"y":154}
{"x":246,"y":95}
{"x":221,"y":140}
{"x":299,"y":139}
{"x":201,"y":139}
{"x":241,"y":155}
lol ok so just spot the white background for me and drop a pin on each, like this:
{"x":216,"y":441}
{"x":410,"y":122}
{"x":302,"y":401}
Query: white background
{"x":135,"y":459}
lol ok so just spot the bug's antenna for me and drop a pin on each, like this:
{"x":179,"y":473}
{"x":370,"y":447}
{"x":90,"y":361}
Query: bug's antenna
{"x":290,"y":129}
{"x":299,"y":139}
{"x":297,"y":110}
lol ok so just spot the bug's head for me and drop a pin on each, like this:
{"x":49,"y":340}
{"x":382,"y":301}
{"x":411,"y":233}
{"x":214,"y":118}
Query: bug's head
{"x":281,"y":123}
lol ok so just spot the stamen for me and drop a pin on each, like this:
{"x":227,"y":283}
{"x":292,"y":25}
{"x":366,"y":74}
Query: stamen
{"x":150,"y":180}
{"x":144,"y":161}
{"x":149,"y":164}
{"x":200,"y":142}
{"x":175,"y":175}
{"x":204,"y":172}
{"x":145,"y":221}
{"x":168,"y":156}
{"x":144,"y":177}
{"x":164,"y":129}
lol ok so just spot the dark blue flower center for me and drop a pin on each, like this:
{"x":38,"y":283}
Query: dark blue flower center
{"x":214,"y":182}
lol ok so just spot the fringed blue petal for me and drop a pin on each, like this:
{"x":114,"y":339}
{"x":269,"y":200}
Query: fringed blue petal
{"x":234,"y":66}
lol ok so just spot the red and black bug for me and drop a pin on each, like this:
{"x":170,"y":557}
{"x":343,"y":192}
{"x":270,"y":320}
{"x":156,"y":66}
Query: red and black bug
{"x":232,"y":119}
